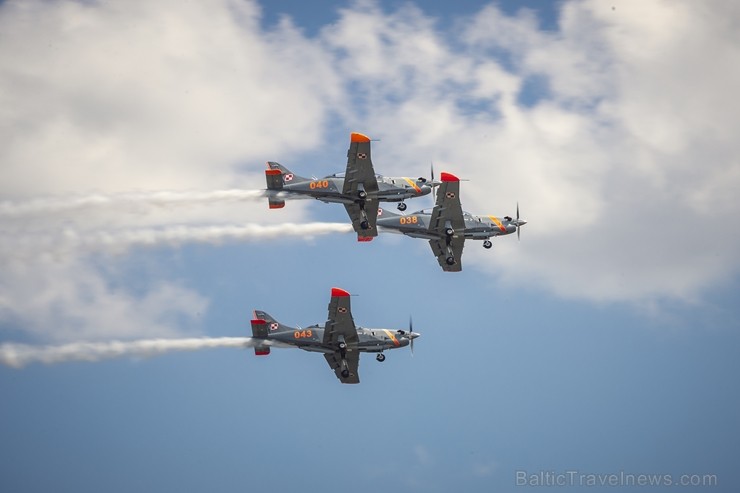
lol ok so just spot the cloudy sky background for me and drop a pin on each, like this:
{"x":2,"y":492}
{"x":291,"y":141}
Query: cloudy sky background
{"x":133,"y":137}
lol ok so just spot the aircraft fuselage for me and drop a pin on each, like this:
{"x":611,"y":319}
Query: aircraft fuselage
{"x":476,"y":227}
{"x":329,"y":189}
{"x":312,"y":339}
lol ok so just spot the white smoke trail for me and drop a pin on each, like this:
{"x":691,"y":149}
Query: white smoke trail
{"x":131,"y":201}
{"x":70,"y":241}
{"x":177,"y":235}
{"x":20,"y":355}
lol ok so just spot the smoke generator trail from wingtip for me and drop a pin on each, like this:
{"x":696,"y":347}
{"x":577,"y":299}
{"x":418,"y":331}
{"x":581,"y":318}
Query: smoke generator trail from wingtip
{"x":127,"y":201}
{"x":20,"y":355}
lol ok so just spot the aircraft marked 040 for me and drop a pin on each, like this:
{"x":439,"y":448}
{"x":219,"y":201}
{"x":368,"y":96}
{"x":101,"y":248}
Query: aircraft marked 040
{"x":358,"y":188}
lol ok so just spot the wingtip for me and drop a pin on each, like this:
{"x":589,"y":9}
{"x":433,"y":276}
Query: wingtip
{"x":339,"y":292}
{"x":444,"y":176}
{"x":364,"y":238}
{"x":358,"y":137}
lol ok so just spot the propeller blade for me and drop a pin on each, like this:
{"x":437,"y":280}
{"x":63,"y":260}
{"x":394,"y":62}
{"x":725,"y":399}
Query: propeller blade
{"x":411,"y":332}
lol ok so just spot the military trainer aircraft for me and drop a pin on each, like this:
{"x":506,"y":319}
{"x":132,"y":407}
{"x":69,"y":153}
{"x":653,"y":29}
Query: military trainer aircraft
{"x":339,"y":339}
{"x":447,"y":226}
{"x":358,"y":188}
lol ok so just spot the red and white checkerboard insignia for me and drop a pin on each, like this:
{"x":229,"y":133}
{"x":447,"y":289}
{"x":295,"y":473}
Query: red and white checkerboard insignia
{"x":342,"y":309}
{"x":361,"y":155}
{"x":288,"y":176}
{"x":450,"y":195}
{"x":380,"y":212}
{"x":274,"y":326}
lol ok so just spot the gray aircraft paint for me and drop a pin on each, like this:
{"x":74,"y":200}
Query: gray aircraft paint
{"x":339,"y":340}
{"x":447,"y":226}
{"x":359,"y":189}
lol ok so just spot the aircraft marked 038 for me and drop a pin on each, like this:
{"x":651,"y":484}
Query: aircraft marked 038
{"x":497,"y":223}
{"x":447,"y":226}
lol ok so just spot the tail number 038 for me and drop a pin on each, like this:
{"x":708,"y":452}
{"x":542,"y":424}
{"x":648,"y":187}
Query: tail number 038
{"x":409,"y":220}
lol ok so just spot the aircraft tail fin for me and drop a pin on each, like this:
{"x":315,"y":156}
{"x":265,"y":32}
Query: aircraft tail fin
{"x":260,"y":331}
{"x":284,"y":173}
{"x":274,"y":178}
{"x":272,"y":325}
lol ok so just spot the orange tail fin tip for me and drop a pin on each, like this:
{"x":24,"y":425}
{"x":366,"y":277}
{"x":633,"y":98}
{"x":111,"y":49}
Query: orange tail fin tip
{"x":358,"y":137}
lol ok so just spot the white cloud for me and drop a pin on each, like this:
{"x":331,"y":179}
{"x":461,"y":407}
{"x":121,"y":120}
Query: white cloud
{"x":125,"y":100}
{"x":625,"y":163}
{"x":151,"y":95}
{"x":64,"y":299}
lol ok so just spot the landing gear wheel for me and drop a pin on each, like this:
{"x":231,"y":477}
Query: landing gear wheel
{"x":487,"y":244}
{"x":362,"y":194}
{"x":450,"y":260}
{"x":345,"y":373}
{"x":401,"y":207}
{"x":365,"y":225}
{"x":380,"y":357}
{"x":342,"y":346}
{"x":449,"y":231}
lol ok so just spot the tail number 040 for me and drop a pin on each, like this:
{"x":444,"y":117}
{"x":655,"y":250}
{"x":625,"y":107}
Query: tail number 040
{"x":319,"y":184}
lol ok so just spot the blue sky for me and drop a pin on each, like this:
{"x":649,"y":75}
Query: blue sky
{"x":605,"y":342}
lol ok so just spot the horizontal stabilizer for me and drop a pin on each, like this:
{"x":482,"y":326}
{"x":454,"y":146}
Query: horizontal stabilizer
{"x":275,"y":203}
{"x":259,"y":331}
{"x":259,"y":328}
{"x":274,"y":179}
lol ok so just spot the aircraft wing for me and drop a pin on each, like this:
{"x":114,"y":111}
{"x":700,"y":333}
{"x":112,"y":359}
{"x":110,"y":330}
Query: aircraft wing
{"x":371,"y":210}
{"x":353,"y":362}
{"x":448,"y":208}
{"x":439,"y":248}
{"x":447,"y":213}
{"x":341,"y":325}
{"x":359,"y":167}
